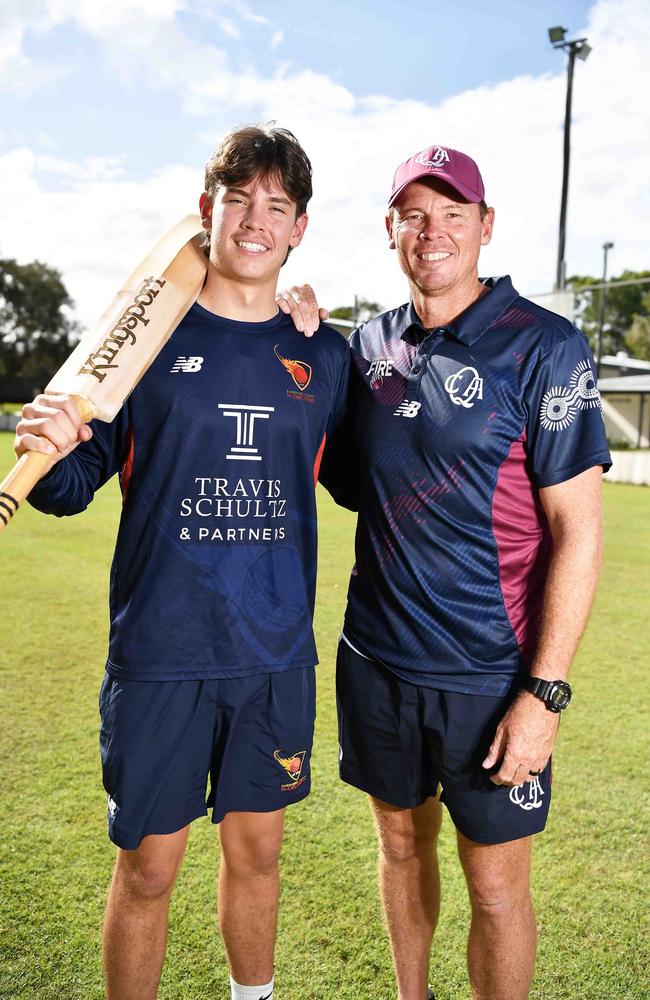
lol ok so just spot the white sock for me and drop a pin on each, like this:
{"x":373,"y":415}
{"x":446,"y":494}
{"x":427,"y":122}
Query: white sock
{"x":238,"y":992}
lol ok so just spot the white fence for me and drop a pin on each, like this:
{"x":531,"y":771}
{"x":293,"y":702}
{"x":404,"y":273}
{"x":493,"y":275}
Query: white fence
{"x":630,"y":467}
{"x":8,"y":421}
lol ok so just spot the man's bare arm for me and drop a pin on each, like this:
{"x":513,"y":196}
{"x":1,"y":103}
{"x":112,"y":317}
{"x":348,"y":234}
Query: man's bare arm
{"x":525,"y":737}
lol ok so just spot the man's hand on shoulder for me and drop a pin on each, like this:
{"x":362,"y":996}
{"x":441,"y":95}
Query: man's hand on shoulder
{"x":523,"y":742}
{"x":300,"y":303}
{"x":51,"y":425}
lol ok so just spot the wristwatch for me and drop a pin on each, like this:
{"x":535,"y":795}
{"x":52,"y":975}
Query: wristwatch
{"x":556,"y":695}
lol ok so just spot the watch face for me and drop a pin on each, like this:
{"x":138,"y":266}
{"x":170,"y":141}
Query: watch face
{"x":560,"y":695}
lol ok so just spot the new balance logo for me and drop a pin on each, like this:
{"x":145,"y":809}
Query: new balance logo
{"x":183,"y":364}
{"x":407,"y":409}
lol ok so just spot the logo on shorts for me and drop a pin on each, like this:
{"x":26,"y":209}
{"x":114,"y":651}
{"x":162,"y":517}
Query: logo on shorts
{"x":528,"y":796}
{"x":112,"y":807}
{"x":293,"y":766}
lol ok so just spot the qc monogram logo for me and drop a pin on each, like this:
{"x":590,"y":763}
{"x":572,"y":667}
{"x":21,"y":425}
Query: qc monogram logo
{"x":440,"y":157}
{"x":183,"y":364}
{"x":464,"y":387}
{"x":407,"y":409}
{"x":528,"y":796}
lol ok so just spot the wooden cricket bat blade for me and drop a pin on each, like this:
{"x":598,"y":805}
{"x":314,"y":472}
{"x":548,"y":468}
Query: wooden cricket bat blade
{"x":109,"y":360}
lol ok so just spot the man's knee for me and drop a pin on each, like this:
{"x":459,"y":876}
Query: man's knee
{"x":253,"y":849}
{"x":406,"y":834}
{"x":499,"y":897}
{"x":498,"y":875}
{"x":144,"y":877}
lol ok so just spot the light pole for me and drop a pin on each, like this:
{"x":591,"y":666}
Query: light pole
{"x":603,"y":299}
{"x":578,"y":47}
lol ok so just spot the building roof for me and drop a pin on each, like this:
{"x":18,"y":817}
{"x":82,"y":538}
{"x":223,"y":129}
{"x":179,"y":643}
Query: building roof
{"x":624,"y":362}
{"x":630,"y":384}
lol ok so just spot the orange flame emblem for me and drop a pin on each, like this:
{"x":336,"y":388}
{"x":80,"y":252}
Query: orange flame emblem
{"x":292,"y":765}
{"x":300,"y":371}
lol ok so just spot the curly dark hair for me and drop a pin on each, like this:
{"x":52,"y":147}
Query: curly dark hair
{"x":261,"y":149}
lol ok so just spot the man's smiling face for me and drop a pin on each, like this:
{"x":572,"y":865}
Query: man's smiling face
{"x":438,"y":237}
{"x":252,"y":227}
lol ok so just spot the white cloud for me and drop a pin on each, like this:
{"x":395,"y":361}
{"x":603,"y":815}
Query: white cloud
{"x":513,"y":129}
{"x":93,"y":168}
{"x":97,"y":229}
{"x":245,"y":12}
{"x":228,"y":27}
{"x":277,"y":39}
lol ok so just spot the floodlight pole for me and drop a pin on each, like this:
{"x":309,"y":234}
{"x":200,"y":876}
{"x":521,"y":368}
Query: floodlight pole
{"x":574,"y":48}
{"x":603,"y":299}
{"x":560,"y":277}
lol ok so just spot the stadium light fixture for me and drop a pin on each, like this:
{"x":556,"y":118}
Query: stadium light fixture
{"x":557,"y":34}
{"x":576,"y":48}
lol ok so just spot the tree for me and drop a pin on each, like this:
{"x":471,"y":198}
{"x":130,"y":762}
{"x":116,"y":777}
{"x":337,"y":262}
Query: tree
{"x":359,"y":312}
{"x":637,"y":339}
{"x":622,"y":306}
{"x":36,"y":328}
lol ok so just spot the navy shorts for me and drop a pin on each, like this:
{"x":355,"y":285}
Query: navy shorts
{"x":160,"y":741}
{"x":400,"y":742}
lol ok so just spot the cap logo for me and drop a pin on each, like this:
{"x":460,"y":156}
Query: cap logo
{"x":440,"y":157}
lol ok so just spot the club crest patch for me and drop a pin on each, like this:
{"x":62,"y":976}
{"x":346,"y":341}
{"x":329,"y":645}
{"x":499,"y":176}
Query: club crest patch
{"x":293,"y":766}
{"x":299,"y":371}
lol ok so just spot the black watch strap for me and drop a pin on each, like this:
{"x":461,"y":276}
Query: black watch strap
{"x":556,"y":695}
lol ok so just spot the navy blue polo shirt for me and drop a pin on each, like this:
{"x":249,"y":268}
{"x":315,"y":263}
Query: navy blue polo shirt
{"x":458,"y":429}
{"x":218,"y":451}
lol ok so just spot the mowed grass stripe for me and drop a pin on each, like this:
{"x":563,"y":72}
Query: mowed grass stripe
{"x":590,"y":866}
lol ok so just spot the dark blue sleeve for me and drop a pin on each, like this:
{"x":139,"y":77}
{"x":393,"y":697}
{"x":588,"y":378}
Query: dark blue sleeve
{"x":70,"y":486}
{"x":339,"y":466}
{"x":565,"y":433}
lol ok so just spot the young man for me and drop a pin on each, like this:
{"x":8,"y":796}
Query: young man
{"x":210,"y":669}
{"x":481,"y":439}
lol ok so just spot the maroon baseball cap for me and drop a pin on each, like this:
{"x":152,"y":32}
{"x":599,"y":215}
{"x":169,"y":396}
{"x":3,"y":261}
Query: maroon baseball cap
{"x":457,"y":169}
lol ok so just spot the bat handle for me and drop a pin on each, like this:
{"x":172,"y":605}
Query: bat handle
{"x":30,"y":467}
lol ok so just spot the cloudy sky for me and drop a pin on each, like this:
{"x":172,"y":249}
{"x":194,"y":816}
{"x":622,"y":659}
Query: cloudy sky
{"x":110,"y":108}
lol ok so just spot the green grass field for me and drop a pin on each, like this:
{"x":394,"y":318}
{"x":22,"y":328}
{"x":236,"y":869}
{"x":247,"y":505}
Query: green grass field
{"x":590,"y":865}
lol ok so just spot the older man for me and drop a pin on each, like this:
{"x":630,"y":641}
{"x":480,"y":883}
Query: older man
{"x":481,"y":448}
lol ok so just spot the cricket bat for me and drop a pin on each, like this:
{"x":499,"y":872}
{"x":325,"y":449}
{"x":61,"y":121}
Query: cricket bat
{"x":109,"y":360}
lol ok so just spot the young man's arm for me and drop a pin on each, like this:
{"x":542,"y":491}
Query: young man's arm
{"x":84,"y":456}
{"x":525,"y":737}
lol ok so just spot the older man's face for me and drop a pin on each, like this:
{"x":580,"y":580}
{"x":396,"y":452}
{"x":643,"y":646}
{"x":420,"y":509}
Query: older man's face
{"x":438,"y":237}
